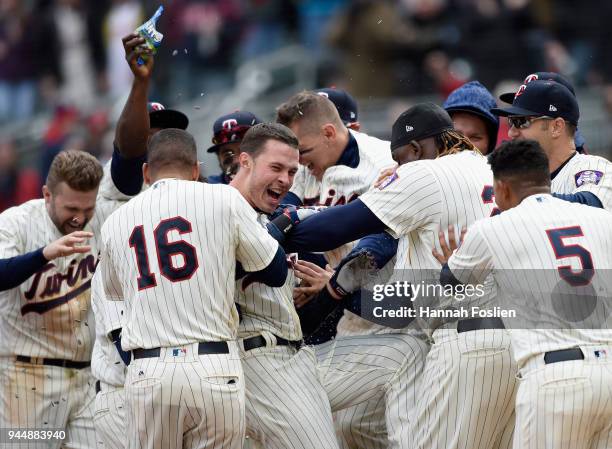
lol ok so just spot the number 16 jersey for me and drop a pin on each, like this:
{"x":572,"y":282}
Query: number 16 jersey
{"x":171,"y":252}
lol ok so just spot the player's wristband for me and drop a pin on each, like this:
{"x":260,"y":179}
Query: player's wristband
{"x":276,"y":233}
{"x":335,"y":291}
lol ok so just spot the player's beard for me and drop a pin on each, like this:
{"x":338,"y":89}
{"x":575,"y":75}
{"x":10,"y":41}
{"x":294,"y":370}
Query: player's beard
{"x":66,"y":226}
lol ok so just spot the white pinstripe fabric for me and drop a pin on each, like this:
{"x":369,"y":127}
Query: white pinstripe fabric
{"x":568,"y":179}
{"x":429,"y":196}
{"x":47,"y":396}
{"x":564,"y":404}
{"x":192,"y":401}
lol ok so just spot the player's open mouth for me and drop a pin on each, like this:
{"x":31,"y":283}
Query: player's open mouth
{"x":275,"y":195}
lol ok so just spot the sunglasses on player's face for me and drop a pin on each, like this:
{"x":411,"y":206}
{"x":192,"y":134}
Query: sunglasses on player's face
{"x":524,"y":122}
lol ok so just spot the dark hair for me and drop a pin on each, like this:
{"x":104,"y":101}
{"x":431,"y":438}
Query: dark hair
{"x":80,"y":170}
{"x":452,"y":141}
{"x":310,"y":108}
{"x":257,"y":136}
{"x":522,"y":160}
{"x":172,"y":147}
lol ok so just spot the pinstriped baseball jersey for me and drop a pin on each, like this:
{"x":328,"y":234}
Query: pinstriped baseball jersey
{"x":341,"y":184}
{"x":546,"y":234}
{"x":266,"y":308}
{"x":106,"y":365}
{"x":586,"y":173}
{"x":428,"y":196}
{"x":171,"y":254}
{"x":49,"y":314}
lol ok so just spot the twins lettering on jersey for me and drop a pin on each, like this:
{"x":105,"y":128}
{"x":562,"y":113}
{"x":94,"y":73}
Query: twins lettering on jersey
{"x":329,"y":201}
{"x":48,"y":284}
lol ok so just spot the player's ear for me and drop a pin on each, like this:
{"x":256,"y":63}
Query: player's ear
{"x":146,"y":173}
{"x":329,"y":131}
{"x":46,"y":194}
{"x":195,"y":172}
{"x":244,"y":160}
{"x":558,"y":127}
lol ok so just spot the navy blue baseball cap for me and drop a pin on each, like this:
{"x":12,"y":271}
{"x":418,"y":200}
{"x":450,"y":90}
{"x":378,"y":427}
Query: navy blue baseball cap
{"x":162,"y":118}
{"x":231,"y":128}
{"x":345,"y":104}
{"x":474,"y":98}
{"x":542,"y":98}
{"x":579,"y":140}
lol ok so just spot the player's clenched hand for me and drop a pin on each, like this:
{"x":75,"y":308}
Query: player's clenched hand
{"x":384,"y":175}
{"x":68,"y":245}
{"x":447,"y":249}
{"x":313,"y":279}
{"x":133,"y":44}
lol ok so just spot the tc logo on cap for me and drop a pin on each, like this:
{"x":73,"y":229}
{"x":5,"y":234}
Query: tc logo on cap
{"x":409,"y":128}
{"x":230,"y":123}
{"x":154,"y":106}
{"x":324,"y":94}
{"x":520,"y":90}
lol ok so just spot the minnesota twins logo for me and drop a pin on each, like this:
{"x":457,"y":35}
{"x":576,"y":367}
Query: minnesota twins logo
{"x":588,"y":177}
{"x":53,"y":284}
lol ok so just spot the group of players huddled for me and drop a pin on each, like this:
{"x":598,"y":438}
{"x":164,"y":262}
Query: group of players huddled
{"x":142,"y":306}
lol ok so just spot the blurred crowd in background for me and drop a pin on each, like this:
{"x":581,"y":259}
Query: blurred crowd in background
{"x":63,"y":59}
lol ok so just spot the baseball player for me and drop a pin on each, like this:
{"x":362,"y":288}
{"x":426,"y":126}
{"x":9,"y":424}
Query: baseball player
{"x":469,"y":106}
{"x":46,"y":336}
{"x":139,"y":120}
{"x":565,"y":387}
{"x":337,"y":165}
{"x":508,"y":97}
{"x":547,"y":112}
{"x":45,"y":332}
{"x":171,"y":264}
{"x":345,"y":105}
{"x":422,"y":198}
{"x":228,"y":131}
{"x":286,"y":405}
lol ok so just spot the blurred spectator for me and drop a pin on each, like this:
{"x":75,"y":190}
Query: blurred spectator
{"x":314,"y":17}
{"x":501,"y":38}
{"x":200,"y":45}
{"x":16,"y":186}
{"x":269,"y":26}
{"x":438,"y":67}
{"x":373,"y":36}
{"x":81,"y":67}
{"x":18,"y":61}
{"x":62,"y":124}
{"x":122,"y":19}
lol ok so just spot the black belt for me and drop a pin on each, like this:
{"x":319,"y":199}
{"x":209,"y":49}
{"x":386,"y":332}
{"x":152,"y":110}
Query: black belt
{"x":259,"y":342}
{"x":476,"y":324}
{"x":204,"y":347}
{"x":563,"y":355}
{"x":52,"y":362}
{"x":98,"y":386}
